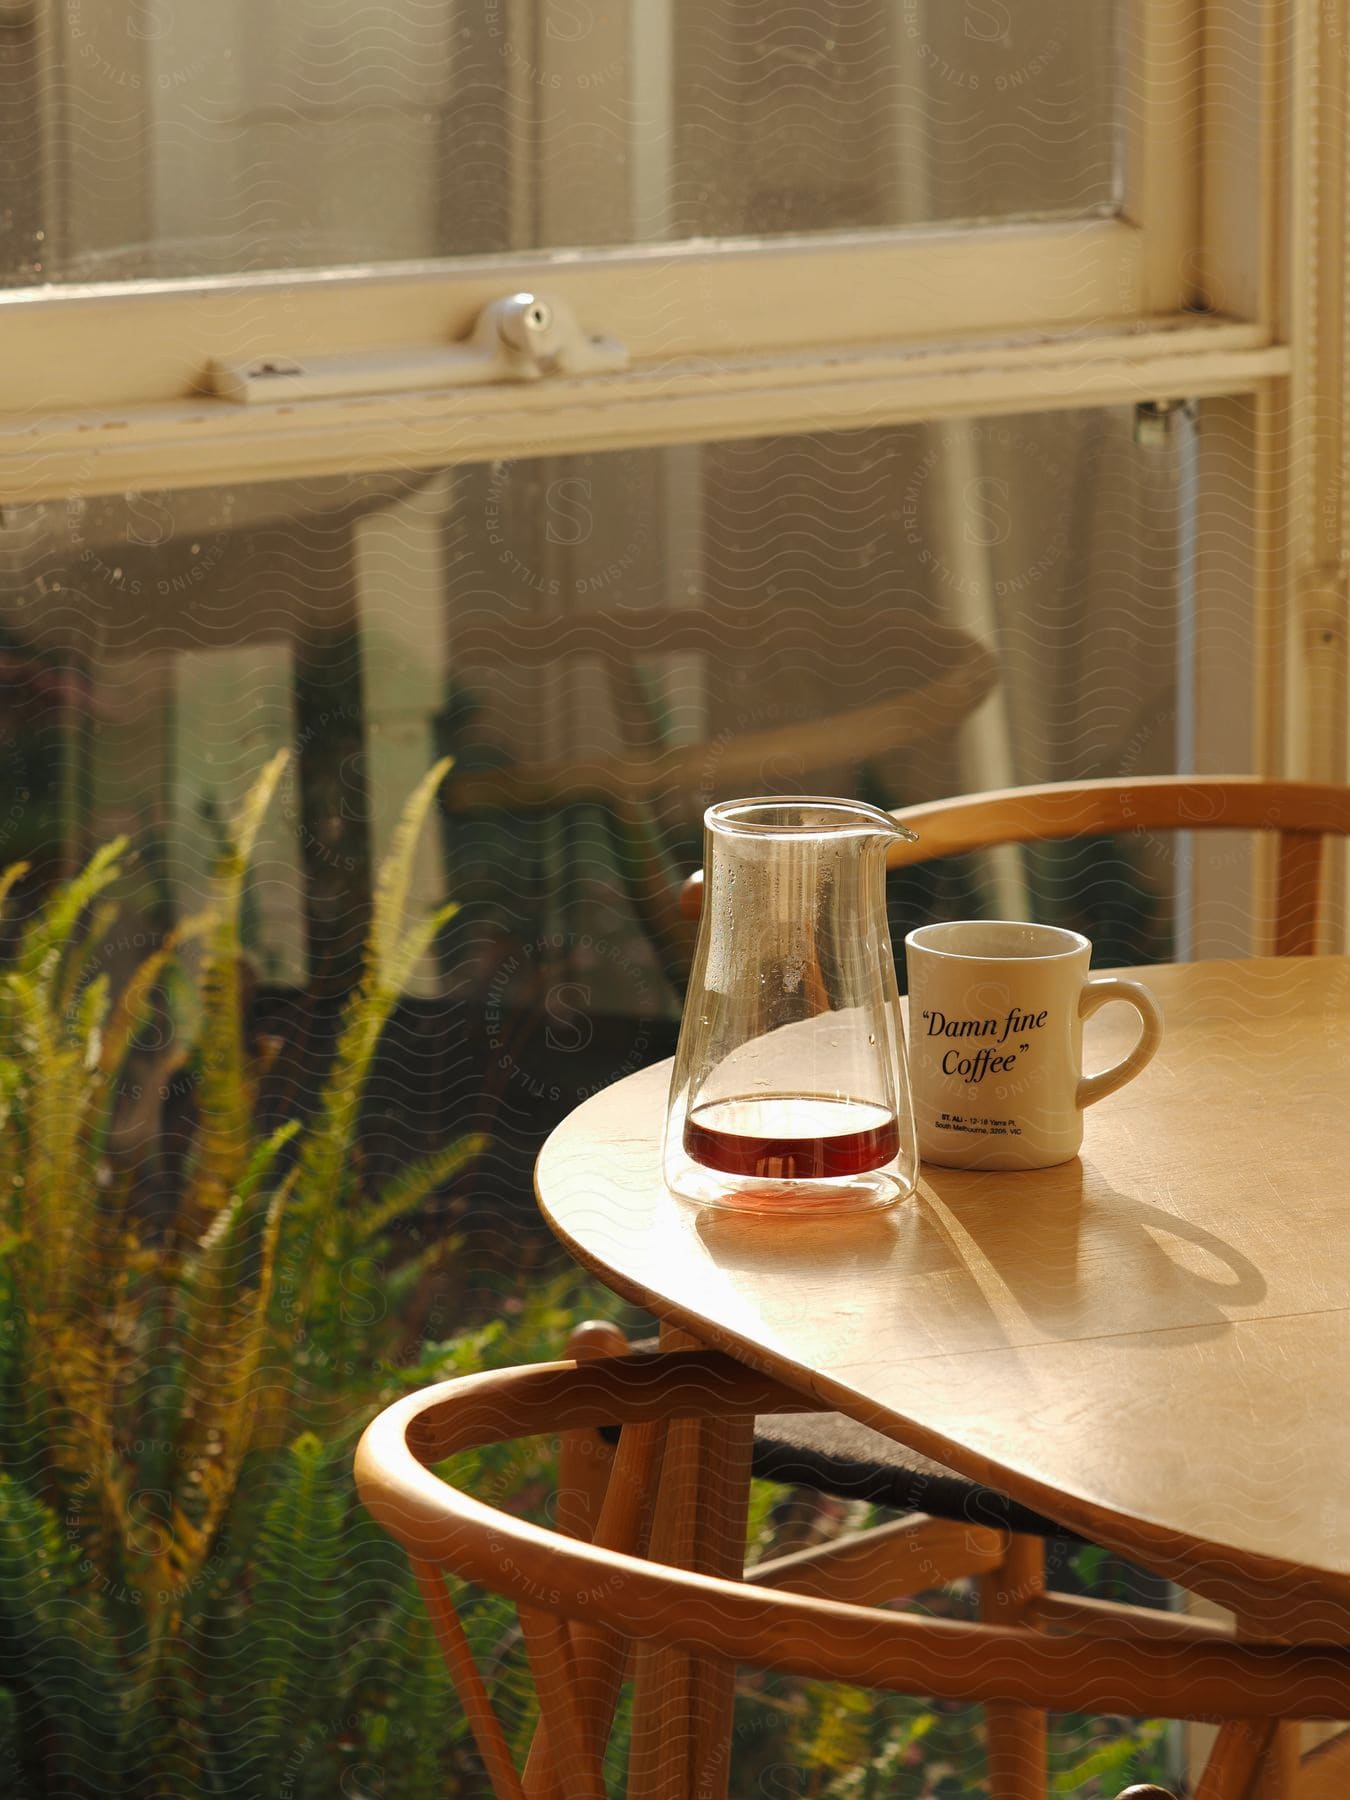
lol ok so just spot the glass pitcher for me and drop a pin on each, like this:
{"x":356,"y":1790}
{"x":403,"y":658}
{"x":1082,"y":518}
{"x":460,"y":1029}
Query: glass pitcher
{"x":790,"y":1093}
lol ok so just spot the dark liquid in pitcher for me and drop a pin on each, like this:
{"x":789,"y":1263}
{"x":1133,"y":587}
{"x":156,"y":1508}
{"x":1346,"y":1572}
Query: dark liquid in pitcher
{"x":791,"y":1137}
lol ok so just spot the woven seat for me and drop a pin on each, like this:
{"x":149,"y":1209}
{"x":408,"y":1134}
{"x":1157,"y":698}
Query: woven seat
{"x":836,"y":1455}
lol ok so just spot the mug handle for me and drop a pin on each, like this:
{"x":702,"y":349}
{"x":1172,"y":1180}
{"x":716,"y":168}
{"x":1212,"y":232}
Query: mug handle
{"x":1099,"y":991}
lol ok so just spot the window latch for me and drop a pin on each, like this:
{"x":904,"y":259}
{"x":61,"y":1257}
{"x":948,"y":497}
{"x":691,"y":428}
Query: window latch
{"x":521,"y":337}
{"x":1155,"y":421}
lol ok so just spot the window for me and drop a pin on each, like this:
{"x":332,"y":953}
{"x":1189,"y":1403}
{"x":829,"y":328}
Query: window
{"x":956,"y":400}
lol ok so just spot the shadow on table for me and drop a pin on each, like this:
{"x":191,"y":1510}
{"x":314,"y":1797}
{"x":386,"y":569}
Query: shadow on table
{"x":1079,"y":1258}
{"x":1054,"y":1249}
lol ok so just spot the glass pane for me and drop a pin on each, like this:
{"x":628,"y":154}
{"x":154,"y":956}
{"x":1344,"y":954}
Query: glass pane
{"x":177,"y":137}
{"x":605,"y":644}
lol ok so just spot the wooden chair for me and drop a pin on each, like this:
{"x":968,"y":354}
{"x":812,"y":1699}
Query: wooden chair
{"x":590,"y":1601}
{"x":959,"y":673}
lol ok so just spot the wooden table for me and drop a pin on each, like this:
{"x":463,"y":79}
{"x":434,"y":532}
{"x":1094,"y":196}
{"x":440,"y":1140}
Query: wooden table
{"x":1151,"y":1343}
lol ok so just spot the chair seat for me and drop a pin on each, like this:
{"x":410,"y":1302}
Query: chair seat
{"x":834,"y":1454}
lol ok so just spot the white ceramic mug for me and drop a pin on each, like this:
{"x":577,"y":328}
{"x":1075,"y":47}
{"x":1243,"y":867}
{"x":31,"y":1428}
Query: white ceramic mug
{"x":996,"y":1012}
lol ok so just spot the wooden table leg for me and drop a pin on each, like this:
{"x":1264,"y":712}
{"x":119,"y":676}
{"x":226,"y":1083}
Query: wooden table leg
{"x":682,"y":1704}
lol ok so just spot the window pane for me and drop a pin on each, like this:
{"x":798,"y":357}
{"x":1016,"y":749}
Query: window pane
{"x":605,"y":643}
{"x":176,"y":137}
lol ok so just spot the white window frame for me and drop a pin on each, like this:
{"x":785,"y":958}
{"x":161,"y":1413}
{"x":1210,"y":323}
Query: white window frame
{"x":1220,"y":282}
{"x":109,"y":376}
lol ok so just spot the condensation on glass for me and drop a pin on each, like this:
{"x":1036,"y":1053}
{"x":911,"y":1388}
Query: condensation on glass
{"x":176,"y":137}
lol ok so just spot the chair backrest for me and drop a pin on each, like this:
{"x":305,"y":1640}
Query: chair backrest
{"x":574,"y":1596}
{"x":960,"y":673}
{"x":647,"y":779}
{"x":1302,"y":813}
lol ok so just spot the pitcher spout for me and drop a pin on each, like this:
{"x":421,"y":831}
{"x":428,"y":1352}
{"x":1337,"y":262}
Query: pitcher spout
{"x":886,"y":825}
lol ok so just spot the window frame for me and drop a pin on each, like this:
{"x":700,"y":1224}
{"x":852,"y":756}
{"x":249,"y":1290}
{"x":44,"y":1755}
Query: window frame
{"x":787,"y":312}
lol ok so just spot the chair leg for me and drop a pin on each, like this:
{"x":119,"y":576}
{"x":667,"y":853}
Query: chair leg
{"x":682,"y":1704}
{"x":1231,"y":1770}
{"x":727,"y":1451}
{"x":601,"y":1658}
{"x":1277,"y":1778}
{"x":473,"y":1695}
{"x":1015,"y":1736}
{"x":574,"y":1753}
{"x":604,"y":1496}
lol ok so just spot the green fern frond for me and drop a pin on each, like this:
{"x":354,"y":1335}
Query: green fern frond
{"x":12,"y":875}
{"x":48,"y":938}
{"x":263,"y":1160}
{"x":417,"y":1726}
{"x":365,"y":1016}
{"x":167,"y":1723}
{"x":9,"y":880}
{"x":128,"y":1017}
{"x":57,"y":1177}
{"x":325,"y":1153}
{"x":102,"y":916}
{"x":55,"y":1645}
{"x":91,"y":1012}
{"x":295,"y":1606}
{"x":390,"y":900}
{"x":392,"y":954}
{"x":226,"y":1334}
{"x":211,"y":1346}
{"x":412,"y":1184}
{"x":881,"y":1768}
{"x":395,"y":970}
{"x":131,"y":1010}
{"x":323,"y":1163}
{"x":227,"y":1091}
{"x":247,"y":822}
{"x":1109,"y":1763}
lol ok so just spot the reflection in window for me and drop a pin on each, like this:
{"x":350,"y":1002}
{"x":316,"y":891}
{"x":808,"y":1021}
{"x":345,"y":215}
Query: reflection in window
{"x":605,"y":644}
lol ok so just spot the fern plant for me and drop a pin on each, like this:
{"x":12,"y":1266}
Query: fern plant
{"x":190,"y":1601}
